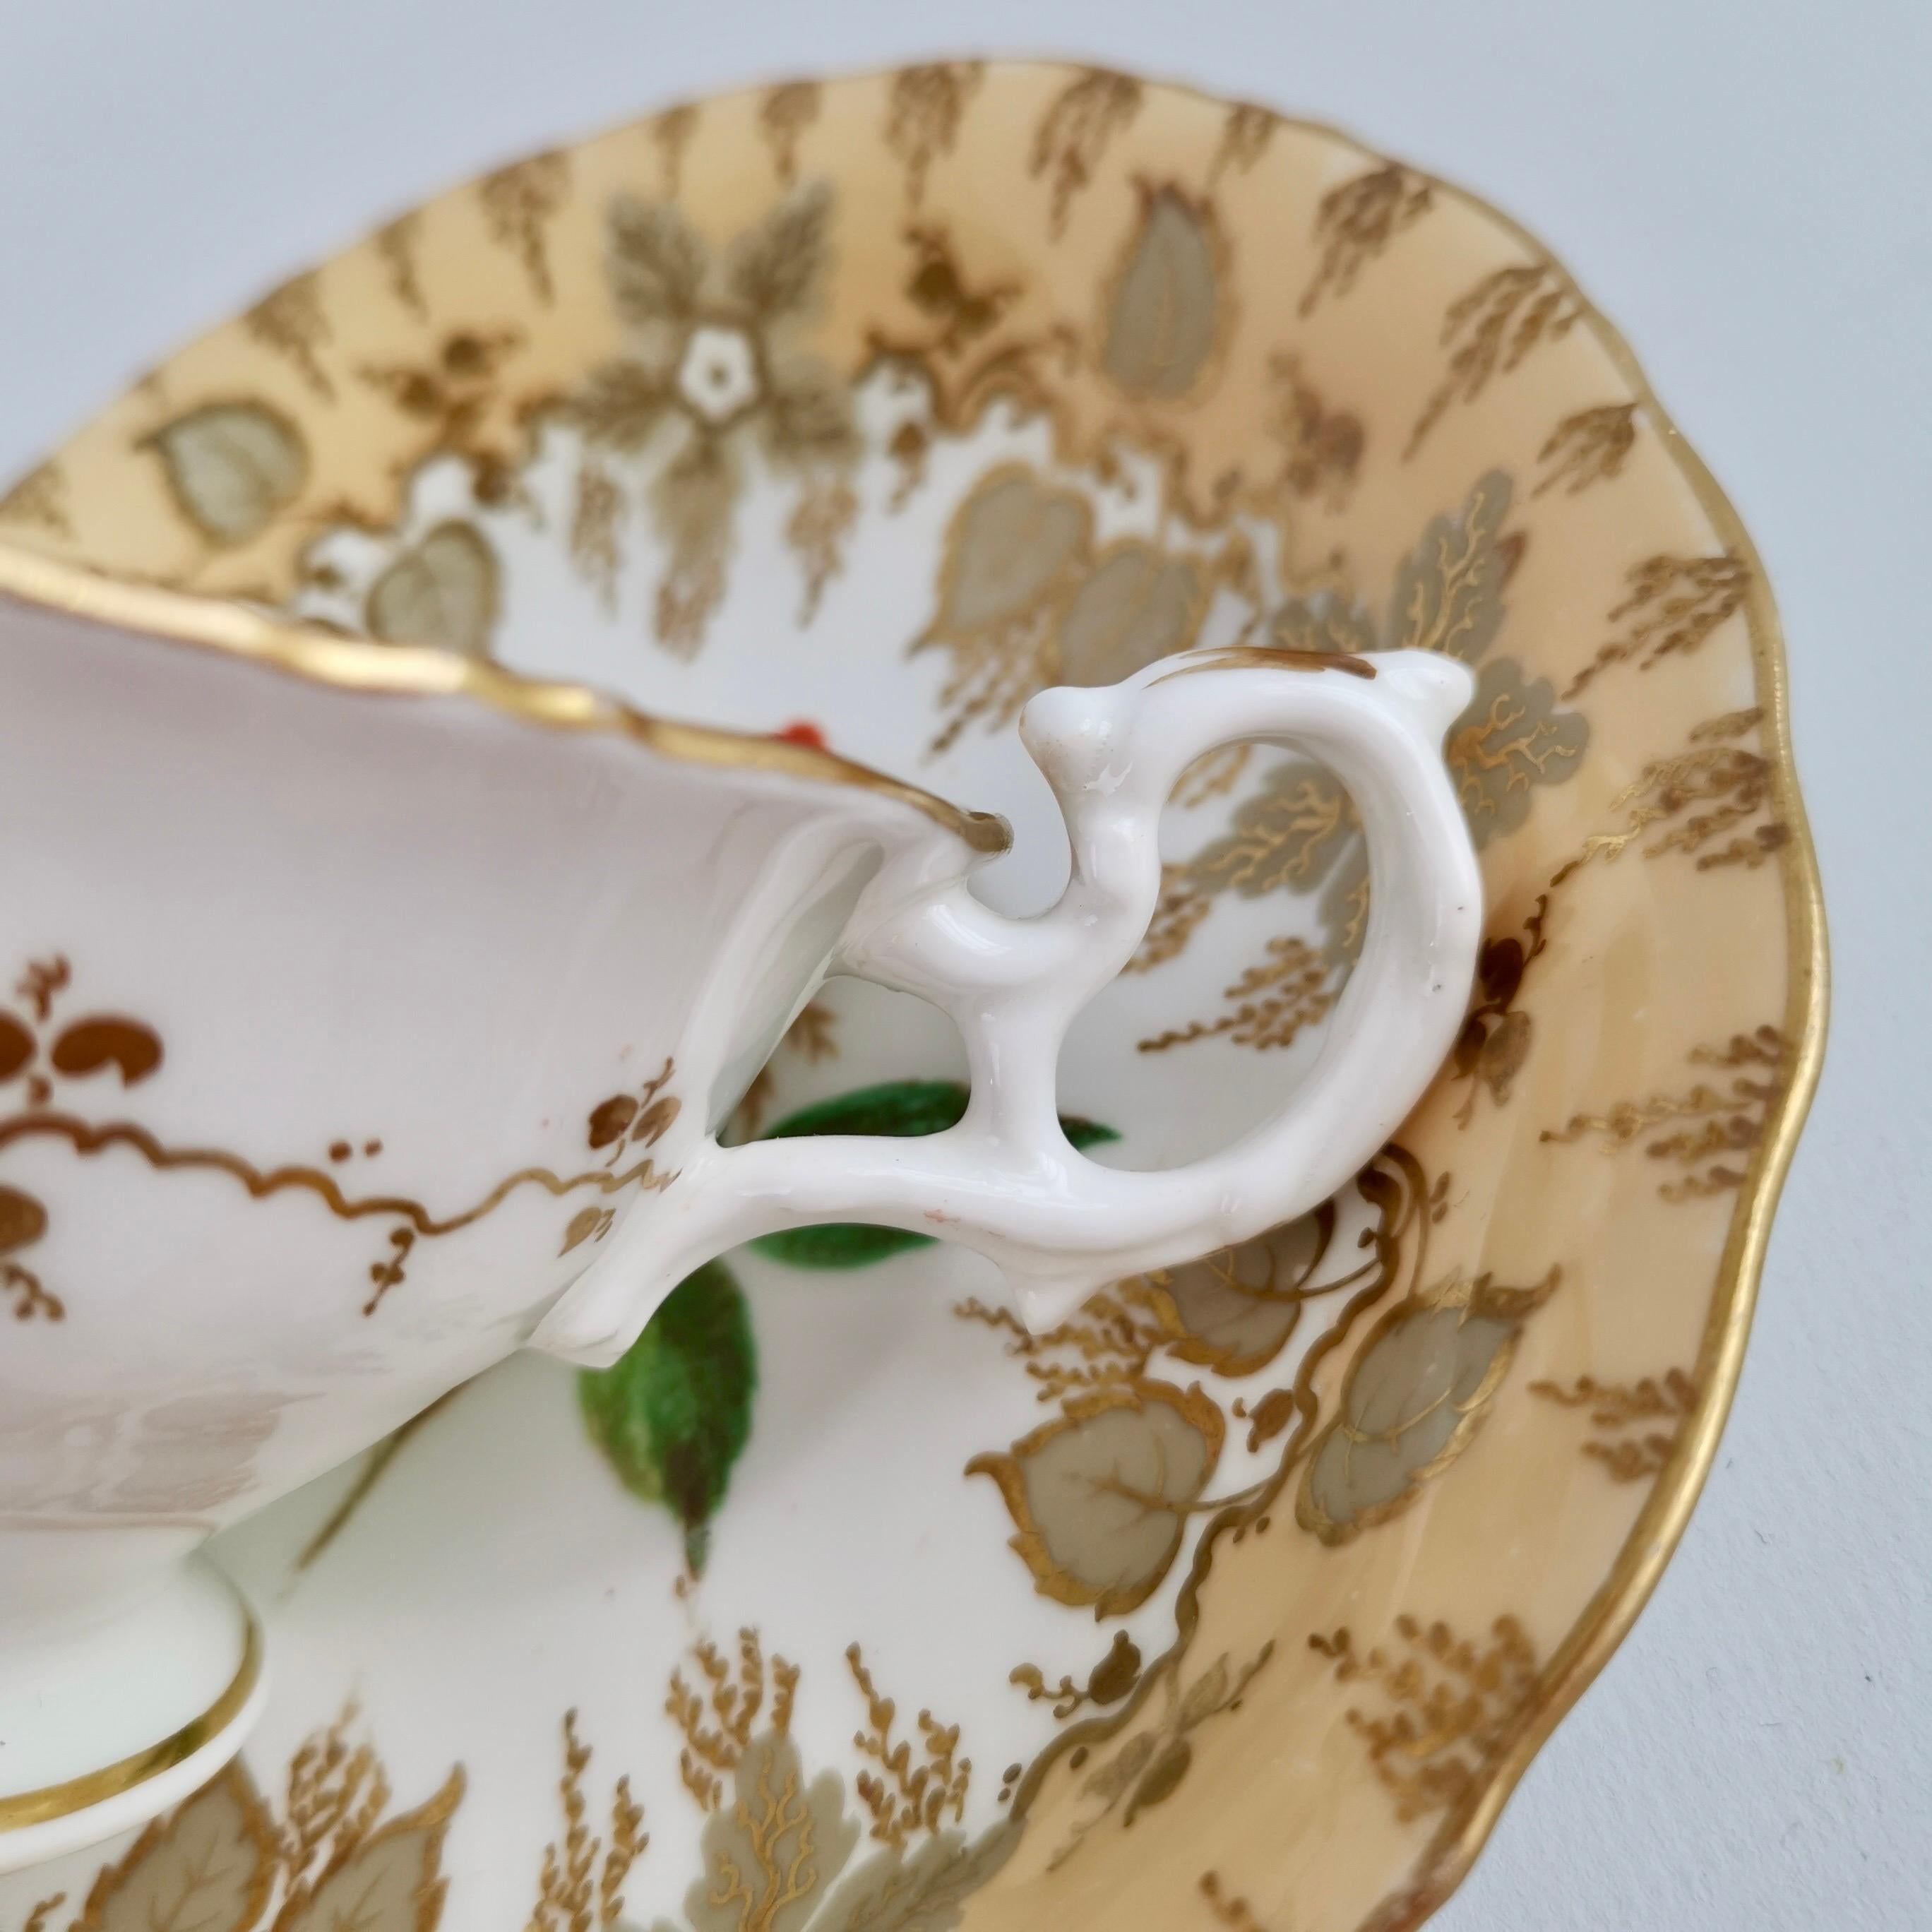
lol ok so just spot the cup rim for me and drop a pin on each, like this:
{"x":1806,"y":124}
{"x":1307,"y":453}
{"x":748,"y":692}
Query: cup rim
{"x":345,"y":663}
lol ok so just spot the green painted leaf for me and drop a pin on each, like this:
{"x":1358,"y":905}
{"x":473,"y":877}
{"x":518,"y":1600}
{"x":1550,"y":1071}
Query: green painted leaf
{"x":673,"y":1415}
{"x":904,"y":1108}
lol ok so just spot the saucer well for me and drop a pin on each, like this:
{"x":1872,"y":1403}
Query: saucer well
{"x":854,"y":412}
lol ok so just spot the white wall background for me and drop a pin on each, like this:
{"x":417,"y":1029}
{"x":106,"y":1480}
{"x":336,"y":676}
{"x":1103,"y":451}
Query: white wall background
{"x":1744,"y":184}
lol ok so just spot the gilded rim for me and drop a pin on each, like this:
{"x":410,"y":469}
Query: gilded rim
{"x":96,"y":1787}
{"x":423,"y":671}
{"x":1661,"y":1522}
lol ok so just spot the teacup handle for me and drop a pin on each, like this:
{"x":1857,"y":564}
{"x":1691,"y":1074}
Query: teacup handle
{"x":1005,"y":1181}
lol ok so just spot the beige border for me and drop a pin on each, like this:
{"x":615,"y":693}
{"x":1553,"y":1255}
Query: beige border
{"x":1661,"y":1523}
{"x":422,"y":670}
{"x":95,"y":1787}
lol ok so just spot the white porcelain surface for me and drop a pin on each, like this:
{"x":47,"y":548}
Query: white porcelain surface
{"x":354,"y":1026}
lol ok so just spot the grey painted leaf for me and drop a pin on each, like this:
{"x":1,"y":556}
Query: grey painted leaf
{"x":209,"y":1865}
{"x":771,"y":1850}
{"x":924,"y":1891}
{"x":444,"y":591}
{"x":1511,"y":739}
{"x":1448,"y":593}
{"x":774,"y":269}
{"x":1100,"y":1495}
{"x":1009,"y":545}
{"x":1239,"y":1305}
{"x":1164,"y":319}
{"x":1287,"y":834}
{"x":1411,"y":1400}
{"x":654,"y":260}
{"x":392,"y":1882}
{"x":231,"y":466}
{"x":1137,"y":606}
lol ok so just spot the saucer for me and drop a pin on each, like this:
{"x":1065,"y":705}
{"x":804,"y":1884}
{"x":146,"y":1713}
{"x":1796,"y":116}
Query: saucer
{"x":856,"y":412}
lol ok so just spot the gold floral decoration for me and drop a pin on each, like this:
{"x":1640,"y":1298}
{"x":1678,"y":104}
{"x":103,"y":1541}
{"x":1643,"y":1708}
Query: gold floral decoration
{"x":219,"y":1860}
{"x":1452,"y":1703}
{"x":50,"y":1059}
{"x":1075,"y":131}
{"x":1489,"y":330}
{"x":397,"y":243}
{"x":1356,"y":222}
{"x":784,"y":113}
{"x":925,"y":106}
{"x":291,"y":321}
{"x":1636,"y":1425}
{"x":1246,"y":132}
{"x":1235,"y":1913}
{"x":39,"y":501}
{"x":1166,"y":311}
{"x":1148,"y":1767}
{"x":1714,"y":789}
{"x":1674,"y":603}
{"x":712,"y":375}
{"x":519,"y":203}
{"x":1413,"y":1399}
{"x":581,"y":1887}
{"x":1588,"y":448}
{"x":1709,"y":1131}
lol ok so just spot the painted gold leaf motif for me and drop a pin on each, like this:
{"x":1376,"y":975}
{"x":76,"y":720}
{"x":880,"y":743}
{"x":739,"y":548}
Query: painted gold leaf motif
{"x":1356,"y":222}
{"x":1151,"y":1766}
{"x":397,"y":243}
{"x":232,"y":467}
{"x":714,"y":375}
{"x":1412,"y":1399}
{"x":1235,"y":1913}
{"x":580,"y":1886}
{"x":767,"y":1851}
{"x":1710,"y":1130}
{"x":1511,"y":738}
{"x":1074,"y":132}
{"x":1324,"y":444}
{"x":1451,"y":1705}
{"x":209,"y":1866}
{"x":1101,"y":1495}
{"x":1246,"y":132}
{"x":1237,"y":1308}
{"x":671,"y":133}
{"x":1137,"y":606}
{"x":39,"y":501}
{"x":519,"y":203}
{"x":1714,"y":802}
{"x":1447,"y":594}
{"x":1289,"y":833}
{"x":783,"y":115}
{"x":924,"y":1891}
{"x":1489,"y":329}
{"x":1674,"y":603}
{"x":924,"y":107}
{"x":444,"y":591}
{"x":1587,"y":448}
{"x":1635,"y":1427}
{"x":1168,"y":307}
{"x":290,"y":321}
{"x":391,"y":1881}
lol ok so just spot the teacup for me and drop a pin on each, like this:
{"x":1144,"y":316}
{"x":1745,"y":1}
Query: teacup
{"x":374,"y":1012}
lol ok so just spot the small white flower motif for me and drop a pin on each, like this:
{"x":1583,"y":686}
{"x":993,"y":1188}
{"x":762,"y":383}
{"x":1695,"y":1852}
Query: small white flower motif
{"x":717,"y":376}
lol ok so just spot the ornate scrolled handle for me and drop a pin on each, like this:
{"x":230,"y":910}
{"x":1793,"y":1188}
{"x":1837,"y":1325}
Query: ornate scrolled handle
{"x":1004,"y":1180}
